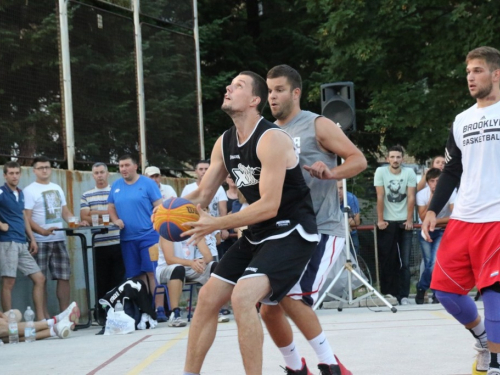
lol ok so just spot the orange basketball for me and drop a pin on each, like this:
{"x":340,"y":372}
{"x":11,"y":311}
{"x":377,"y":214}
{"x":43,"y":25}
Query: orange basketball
{"x":171,"y":216}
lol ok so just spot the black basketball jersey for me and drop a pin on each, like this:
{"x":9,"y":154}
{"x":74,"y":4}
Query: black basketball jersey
{"x":244,"y":166}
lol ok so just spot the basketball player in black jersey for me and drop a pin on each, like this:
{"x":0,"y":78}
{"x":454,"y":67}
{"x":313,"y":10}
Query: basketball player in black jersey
{"x":281,"y":236}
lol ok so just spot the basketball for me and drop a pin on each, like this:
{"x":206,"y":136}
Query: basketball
{"x":170,"y":218}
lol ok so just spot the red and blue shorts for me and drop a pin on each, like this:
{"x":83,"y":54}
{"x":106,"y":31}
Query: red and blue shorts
{"x":468,"y":256}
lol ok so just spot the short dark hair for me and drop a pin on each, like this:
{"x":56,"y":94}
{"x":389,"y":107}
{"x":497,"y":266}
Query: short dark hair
{"x":100,"y":164}
{"x":259,"y":88}
{"x":126,"y":157}
{"x":397,"y":148}
{"x":489,"y":54}
{"x":432,"y":173}
{"x":11,"y":165}
{"x":40,"y":159}
{"x":293,"y":77}
{"x":206,"y":161}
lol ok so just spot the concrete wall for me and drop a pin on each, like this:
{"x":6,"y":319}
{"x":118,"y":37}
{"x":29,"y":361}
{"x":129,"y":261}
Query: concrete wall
{"x":73,"y":183}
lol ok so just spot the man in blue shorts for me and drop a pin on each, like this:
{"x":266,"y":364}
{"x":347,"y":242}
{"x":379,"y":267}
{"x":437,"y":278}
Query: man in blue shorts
{"x":130,"y":205}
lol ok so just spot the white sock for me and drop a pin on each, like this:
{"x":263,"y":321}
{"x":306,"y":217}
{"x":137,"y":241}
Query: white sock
{"x":52,"y":332}
{"x":323,"y":350}
{"x":479,"y":333}
{"x":50,"y":322}
{"x":291,"y":356}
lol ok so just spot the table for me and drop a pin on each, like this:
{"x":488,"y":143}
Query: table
{"x":80,"y":232}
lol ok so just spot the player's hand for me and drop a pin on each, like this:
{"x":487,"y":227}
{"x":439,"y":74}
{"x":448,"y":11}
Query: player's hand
{"x":198,"y":265}
{"x":428,"y":225}
{"x":382,"y":225}
{"x":119,"y":223}
{"x":408,"y":225}
{"x":319,"y":170}
{"x":33,"y":249}
{"x":206,"y":224}
{"x":4,"y":227}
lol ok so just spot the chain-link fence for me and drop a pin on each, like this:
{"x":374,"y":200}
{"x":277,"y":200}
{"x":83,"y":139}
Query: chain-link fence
{"x":106,"y":81}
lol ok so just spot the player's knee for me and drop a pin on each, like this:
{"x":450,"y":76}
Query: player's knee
{"x":491,"y":299}
{"x":38,"y":279}
{"x":270,"y":313}
{"x":449,"y":301}
{"x":8,"y":282}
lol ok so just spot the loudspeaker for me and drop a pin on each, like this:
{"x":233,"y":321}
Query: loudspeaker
{"x":337,"y":104}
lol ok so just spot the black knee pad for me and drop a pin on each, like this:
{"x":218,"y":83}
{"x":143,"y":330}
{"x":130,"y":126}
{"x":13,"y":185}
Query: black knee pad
{"x":179,"y":273}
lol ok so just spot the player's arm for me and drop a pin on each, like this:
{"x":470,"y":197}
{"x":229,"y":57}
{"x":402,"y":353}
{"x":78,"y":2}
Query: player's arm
{"x":276,"y":153}
{"x":212,"y":180}
{"x":410,"y":191}
{"x":381,"y":223}
{"x":332,"y":139}
{"x":448,"y":181}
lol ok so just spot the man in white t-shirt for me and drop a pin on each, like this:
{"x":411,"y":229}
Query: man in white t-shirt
{"x":46,"y":210}
{"x":217,"y":206}
{"x":429,"y":249}
{"x":166,"y":191}
{"x":395,"y":187}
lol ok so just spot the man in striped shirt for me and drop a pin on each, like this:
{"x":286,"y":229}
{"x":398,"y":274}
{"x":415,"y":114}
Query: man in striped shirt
{"x":109,"y":267}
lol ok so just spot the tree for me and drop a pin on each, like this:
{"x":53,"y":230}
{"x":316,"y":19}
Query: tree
{"x":406,"y":59}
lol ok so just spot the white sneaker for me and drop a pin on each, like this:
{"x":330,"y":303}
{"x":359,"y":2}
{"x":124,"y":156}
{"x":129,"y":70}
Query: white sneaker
{"x":223,"y":318}
{"x":176,"y":322}
{"x":493,"y":371}
{"x":405,"y":301}
{"x":483,"y":359}
{"x":63,"y":328}
{"x":72,"y":313}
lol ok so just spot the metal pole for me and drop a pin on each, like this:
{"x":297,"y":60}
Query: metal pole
{"x":377,"y":274}
{"x":140,"y":84}
{"x":66,"y":74}
{"x":198,"y":80}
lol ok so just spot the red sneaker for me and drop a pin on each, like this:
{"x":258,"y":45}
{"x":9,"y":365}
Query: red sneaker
{"x":338,"y":369}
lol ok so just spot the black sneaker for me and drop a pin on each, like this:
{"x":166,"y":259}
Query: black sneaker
{"x":338,"y":369}
{"x":434,"y":299}
{"x":419,"y":298}
{"x":303,"y":371}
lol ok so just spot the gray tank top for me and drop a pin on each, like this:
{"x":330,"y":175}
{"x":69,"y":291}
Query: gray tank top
{"x":323,"y":192}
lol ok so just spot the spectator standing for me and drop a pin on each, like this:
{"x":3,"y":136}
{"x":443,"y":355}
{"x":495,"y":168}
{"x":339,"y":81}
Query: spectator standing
{"x":429,"y":249}
{"x":395,"y":187}
{"x":15,"y":252}
{"x":233,"y":206}
{"x":130,"y":205}
{"x":436,"y":162}
{"x":469,"y":252}
{"x":354,"y":214}
{"x":46,"y":210}
{"x":110,"y":270}
{"x":166,"y":191}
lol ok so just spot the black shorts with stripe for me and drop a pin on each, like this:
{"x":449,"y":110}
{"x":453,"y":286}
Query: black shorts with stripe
{"x":282,"y":260}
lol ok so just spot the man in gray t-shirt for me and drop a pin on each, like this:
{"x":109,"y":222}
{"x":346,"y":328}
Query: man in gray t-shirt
{"x":395,"y":187}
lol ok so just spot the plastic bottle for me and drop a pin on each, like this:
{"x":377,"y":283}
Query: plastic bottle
{"x":118,"y":306}
{"x":13,"y":330}
{"x":29,"y":330}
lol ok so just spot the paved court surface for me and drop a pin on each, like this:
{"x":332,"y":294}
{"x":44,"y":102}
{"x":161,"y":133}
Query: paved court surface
{"x":417,"y":340}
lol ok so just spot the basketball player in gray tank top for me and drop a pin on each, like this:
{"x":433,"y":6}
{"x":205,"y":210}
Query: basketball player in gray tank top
{"x":319,"y":141}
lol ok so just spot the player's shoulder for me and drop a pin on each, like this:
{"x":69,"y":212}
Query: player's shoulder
{"x":462,"y":116}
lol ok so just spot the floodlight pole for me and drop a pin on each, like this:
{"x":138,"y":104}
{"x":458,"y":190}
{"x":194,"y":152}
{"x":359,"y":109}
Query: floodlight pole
{"x":198,"y":80}
{"x":66,"y":75}
{"x":140,"y":84}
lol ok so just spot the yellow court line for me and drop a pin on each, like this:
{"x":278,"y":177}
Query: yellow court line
{"x":141,"y":366}
{"x":441,"y":314}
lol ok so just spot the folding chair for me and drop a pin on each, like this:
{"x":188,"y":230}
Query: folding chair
{"x":189,"y":287}
{"x":159,"y":288}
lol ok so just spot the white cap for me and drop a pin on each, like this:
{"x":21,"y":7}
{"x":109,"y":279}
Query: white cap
{"x":151,"y":171}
